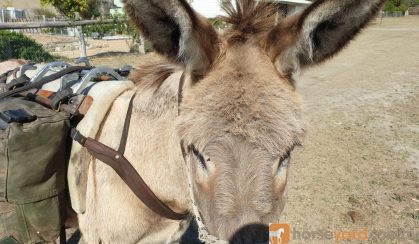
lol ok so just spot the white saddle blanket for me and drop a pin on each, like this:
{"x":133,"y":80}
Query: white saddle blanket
{"x":104,"y":94}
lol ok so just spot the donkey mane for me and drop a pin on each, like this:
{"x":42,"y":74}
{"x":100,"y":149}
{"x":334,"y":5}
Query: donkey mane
{"x":248,"y":17}
{"x":152,"y":75}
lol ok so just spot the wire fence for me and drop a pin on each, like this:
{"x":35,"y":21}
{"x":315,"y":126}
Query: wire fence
{"x":393,"y":14}
{"x":73,"y":39}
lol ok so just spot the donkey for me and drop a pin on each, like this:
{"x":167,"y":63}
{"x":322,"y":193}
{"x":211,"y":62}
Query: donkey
{"x":221,"y":136}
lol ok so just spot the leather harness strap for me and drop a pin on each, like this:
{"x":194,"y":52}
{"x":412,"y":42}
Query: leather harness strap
{"x":125,"y":130}
{"x":125,"y":170}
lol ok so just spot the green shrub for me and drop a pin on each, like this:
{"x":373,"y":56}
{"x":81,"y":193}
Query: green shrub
{"x":403,"y":7}
{"x":99,"y":31}
{"x":392,"y":6}
{"x":16,"y":45}
{"x":389,"y":6}
{"x":148,"y":47}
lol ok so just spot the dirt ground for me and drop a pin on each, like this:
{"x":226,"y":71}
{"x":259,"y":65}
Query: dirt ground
{"x":359,"y":167}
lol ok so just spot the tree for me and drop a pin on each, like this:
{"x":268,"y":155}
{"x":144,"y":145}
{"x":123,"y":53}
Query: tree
{"x":73,"y":8}
{"x":411,"y":3}
{"x":399,"y":5}
{"x":403,"y":7}
{"x":390,"y":6}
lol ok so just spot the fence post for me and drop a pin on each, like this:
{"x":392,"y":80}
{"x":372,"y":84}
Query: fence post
{"x":82,"y":43}
{"x":382,"y":16}
{"x":141,"y":45}
{"x":2,"y":15}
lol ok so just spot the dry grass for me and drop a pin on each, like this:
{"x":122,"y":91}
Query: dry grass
{"x":361,"y":153}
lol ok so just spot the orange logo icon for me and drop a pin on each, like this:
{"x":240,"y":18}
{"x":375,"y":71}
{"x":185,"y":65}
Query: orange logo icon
{"x":279,"y":233}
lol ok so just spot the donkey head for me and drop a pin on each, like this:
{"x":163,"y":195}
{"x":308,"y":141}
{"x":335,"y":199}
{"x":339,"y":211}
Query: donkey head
{"x":240,"y":114}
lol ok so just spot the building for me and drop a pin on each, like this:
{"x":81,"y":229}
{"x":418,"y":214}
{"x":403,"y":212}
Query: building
{"x":26,"y":9}
{"x":209,"y":9}
{"x":291,"y":6}
{"x":102,"y":6}
{"x":212,"y":9}
{"x":118,"y":7}
{"x":10,"y":13}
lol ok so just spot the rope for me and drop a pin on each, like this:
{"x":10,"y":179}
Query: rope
{"x":203,"y":233}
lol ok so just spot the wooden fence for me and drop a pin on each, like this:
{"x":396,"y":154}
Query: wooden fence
{"x":17,"y":25}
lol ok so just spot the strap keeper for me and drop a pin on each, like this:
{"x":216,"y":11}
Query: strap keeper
{"x":78,"y":137}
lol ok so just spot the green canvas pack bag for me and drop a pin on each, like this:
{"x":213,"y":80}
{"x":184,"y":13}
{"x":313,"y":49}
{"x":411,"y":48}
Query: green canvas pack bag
{"x":33,"y":159}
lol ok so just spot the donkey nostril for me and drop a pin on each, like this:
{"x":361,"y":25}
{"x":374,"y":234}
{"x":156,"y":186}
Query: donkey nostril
{"x":251,"y":234}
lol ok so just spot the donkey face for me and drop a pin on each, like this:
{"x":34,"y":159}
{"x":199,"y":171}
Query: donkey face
{"x":239,"y":125}
{"x":240,"y":114}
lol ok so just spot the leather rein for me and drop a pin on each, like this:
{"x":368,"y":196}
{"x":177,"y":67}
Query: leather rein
{"x":118,"y":162}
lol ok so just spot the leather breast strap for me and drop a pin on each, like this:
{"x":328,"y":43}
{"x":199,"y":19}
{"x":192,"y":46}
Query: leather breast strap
{"x":125,"y":170}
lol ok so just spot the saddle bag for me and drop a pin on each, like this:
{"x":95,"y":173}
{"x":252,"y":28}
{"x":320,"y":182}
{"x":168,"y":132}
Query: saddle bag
{"x":34,"y":153}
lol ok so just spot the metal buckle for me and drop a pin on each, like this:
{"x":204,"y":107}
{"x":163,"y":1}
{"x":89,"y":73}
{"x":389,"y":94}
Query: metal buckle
{"x":59,"y":107}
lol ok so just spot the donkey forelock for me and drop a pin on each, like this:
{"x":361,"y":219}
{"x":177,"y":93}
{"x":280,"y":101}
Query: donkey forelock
{"x":247,"y":18}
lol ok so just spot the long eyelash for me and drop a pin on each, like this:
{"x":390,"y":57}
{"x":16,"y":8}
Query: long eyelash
{"x":288,"y":158}
{"x":287,"y":155}
{"x":198,"y":155}
{"x":290,"y":150}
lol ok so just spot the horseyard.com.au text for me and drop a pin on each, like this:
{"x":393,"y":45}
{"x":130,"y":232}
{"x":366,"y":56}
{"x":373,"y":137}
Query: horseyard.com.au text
{"x":282,"y":233}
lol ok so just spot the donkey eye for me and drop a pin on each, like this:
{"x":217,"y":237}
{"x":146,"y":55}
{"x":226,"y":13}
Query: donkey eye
{"x":198,"y":156}
{"x":283,"y":162}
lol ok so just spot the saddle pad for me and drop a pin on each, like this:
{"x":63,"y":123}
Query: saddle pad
{"x":104,"y":94}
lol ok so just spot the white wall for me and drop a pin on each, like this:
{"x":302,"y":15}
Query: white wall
{"x":211,"y":8}
{"x":207,"y":8}
{"x":295,"y":8}
{"x":10,"y":13}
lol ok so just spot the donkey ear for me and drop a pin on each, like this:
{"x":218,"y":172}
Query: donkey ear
{"x":319,"y":32}
{"x":176,"y":31}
